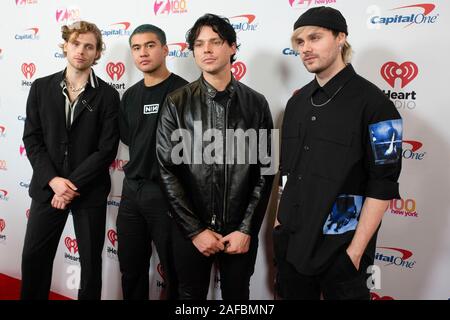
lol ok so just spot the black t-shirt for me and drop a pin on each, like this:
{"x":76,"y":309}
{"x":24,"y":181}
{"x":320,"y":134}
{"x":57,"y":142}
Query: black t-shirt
{"x":340,"y":144}
{"x":138,"y":120}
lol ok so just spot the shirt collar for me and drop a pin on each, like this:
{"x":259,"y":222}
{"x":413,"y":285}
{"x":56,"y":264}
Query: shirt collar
{"x":211,"y":91}
{"x":92,"y":81}
{"x":340,"y":79}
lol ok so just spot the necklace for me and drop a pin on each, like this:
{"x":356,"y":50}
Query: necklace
{"x":326,"y":102}
{"x":72,"y":88}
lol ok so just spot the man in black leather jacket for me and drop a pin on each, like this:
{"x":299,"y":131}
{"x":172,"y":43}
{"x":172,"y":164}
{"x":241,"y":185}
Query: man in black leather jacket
{"x":210,"y":133}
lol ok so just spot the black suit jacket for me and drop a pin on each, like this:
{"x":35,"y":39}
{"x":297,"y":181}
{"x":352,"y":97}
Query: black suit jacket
{"x":82,"y":153}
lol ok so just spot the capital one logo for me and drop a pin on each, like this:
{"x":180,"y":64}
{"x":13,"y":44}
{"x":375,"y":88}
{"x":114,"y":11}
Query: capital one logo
{"x":170,"y":6}
{"x":239,"y":69}
{"x":395,"y":256}
{"x":71,"y":244}
{"x":244,"y":22}
{"x":178,"y":50}
{"x":112,"y":237}
{"x":3,"y":195}
{"x":117,"y":69}
{"x":2,"y":225}
{"x":28,"y":70}
{"x":413,"y":150}
{"x":406,"y":72}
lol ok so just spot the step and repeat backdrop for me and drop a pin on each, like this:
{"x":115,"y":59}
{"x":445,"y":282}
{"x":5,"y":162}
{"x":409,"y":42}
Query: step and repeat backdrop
{"x":401,"y":46}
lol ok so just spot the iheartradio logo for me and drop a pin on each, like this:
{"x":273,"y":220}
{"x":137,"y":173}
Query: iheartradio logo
{"x":28,"y":70}
{"x":71,"y":244}
{"x":375,"y":296}
{"x":160,"y":270}
{"x":112,"y":236}
{"x":117,"y":69}
{"x":2,"y":225}
{"x":407,"y":72}
{"x":239,"y":69}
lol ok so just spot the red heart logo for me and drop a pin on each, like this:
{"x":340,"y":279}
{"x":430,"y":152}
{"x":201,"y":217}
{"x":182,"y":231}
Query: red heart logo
{"x":161,"y":272}
{"x":112,"y":236}
{"x":28,"y":70}
{"x":239,"y":70}
{"x":407,"y":71}
{"x":375,"y":296}
{"x":71,"y":244}
{"x":117,"y":69}
{"x":2,"y":225}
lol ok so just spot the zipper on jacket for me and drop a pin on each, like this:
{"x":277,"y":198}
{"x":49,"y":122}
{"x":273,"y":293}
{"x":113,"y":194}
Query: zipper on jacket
{"x":213,"y":215}
{"x":225,"y":164}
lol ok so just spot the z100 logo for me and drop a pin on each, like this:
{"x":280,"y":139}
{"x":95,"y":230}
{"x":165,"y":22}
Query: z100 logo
{"x":25,"y":2}
{"x":170,"y":7}
{"x":392,"y":257}
{"x":402,"y":207}
{"x":302,"y":4}
{"x":404,"y":73}
{"x":67,"y":15}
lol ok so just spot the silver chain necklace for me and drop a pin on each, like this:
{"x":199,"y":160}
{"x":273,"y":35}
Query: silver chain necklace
{"x":72,"y":88}
{"x":326,"y":102}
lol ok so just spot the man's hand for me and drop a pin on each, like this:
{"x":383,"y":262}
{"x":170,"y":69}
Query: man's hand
{"x":59,"y":202}
{"x":356,"y":258}
{"x":63,"y":188}
{"x":236,"y":242}
{"x":208,"y":242}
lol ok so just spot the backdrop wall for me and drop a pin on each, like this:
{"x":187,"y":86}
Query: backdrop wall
{"x":401,"y":46}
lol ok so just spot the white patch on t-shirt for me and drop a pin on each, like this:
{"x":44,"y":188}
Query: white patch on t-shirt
{"x":151,"y":108}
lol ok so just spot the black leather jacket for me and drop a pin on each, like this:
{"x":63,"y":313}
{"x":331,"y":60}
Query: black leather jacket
{"x":220,"y":197}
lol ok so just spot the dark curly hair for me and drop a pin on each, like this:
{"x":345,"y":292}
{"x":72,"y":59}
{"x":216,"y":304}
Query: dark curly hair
{"x":220,"y":25}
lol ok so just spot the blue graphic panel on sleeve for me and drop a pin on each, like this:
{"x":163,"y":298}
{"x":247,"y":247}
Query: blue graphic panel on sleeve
{"x":386,"y":140}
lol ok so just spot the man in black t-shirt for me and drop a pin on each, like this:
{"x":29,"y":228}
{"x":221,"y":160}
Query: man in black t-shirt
{"x":340,"y":162}
{"x":143,"y":212}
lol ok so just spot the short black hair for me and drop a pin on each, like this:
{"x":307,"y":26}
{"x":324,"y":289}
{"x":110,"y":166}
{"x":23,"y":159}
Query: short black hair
{"x":150,"y":28}
{"x":220,"y":25}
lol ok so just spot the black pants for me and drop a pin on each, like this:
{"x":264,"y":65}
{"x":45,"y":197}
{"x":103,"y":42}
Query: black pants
{"x":340,"y":281}
{"x":194,"y":269}
{"x":139,"y":222}
{"x":44,"y":229}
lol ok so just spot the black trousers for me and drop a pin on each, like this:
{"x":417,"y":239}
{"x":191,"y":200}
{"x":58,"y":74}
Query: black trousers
{"x":139,"y":222}
{"x":44,"y":229}
{"x":194,"y":269}
{"x":340,"y":281}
